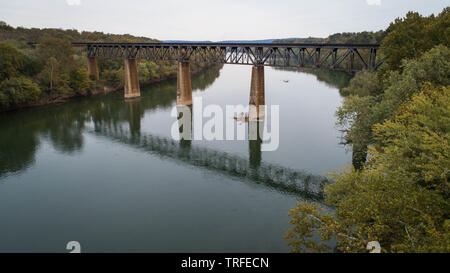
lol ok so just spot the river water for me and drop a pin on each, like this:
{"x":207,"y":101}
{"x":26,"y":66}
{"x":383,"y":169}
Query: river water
{"x":106,"y":172}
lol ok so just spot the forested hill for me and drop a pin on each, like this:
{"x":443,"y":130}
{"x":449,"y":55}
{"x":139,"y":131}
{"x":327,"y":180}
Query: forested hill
{"x":301,"y":40}
{"x":54,"y":71}
{"x":365,"y":37}
{"x":38,"y":35}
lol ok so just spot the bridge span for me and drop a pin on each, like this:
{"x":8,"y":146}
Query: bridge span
{"x":347,"y":57}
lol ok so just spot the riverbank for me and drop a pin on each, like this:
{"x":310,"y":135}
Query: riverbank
{"x":101,"y":88}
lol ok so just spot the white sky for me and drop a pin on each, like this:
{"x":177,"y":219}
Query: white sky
{"x":214,"y":19}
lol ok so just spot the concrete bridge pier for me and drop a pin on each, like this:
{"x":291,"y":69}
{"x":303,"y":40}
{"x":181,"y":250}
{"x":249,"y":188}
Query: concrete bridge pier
{"x":132,"y":88}
{"x":184,"y":88}
{"x":93,"y":68}
{"x":257,"y":94}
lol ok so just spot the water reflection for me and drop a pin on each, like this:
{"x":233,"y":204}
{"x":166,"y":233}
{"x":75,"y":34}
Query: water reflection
{"x":184,"y":119}
{"x":16,"y":155}
{"x":254,"y":143}
{"x":103,"y":166}
{"x":64,"y":125}
{"x":337,"y":79}
{"x":254,"y":171}
{"x":135,"y":115}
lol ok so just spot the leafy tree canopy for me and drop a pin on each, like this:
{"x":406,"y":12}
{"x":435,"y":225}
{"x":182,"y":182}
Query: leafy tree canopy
{"x":400,"y":198}
{"x":412,"y":36}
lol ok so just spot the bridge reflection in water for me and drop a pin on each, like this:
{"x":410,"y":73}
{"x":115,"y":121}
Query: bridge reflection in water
{"x":251,"y":169}
{"x":64,"y":126}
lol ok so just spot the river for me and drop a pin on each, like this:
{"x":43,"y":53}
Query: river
{"x":106,"y":172}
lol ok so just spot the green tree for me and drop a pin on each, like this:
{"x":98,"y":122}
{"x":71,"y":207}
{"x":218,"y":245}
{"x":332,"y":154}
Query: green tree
{"x":79,"y":81}
{"x":400,"y":198}
{"x":364,"y":83}
{"x":410,"y":37}
{"x":367,"y":106}
{"x":62,"y":73}
{"x":5,"y":26}
{"x":432,"y":67}
{"x":10,"y":61}
{"x":60,"y":49}
{"x":17,"y":90}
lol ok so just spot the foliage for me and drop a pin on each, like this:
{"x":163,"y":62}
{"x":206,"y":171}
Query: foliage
{"x":5,"y":26}
{"x":15,"y":85}
{"x":10,"y":61}
{"x":17,"y":90}
{"x":410,"y":37}
{"x":59,"y":49}
{"x":307,"y":218}
{"x":364,"y":83}
{"x":364,"y":37}
{"x":368,"y":105}
{"x":356,"y":113}
{"x":79,"y":81}
{"x":400,"y":198}
{"x":59,"y":69}
{"x":433,"y":67}
{"x":113,"y":77}
{"x":39,"y":35}
{"x":55,"y":65}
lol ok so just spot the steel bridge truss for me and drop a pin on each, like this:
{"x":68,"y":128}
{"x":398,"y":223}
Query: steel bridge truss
{"x":349,"y":57}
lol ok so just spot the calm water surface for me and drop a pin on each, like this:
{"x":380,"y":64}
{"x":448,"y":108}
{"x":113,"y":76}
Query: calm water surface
{"x":106,"y":172}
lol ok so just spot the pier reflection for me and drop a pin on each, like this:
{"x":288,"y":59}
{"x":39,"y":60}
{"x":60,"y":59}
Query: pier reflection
{"x":273,"y":176}
{"x":64,"y":126}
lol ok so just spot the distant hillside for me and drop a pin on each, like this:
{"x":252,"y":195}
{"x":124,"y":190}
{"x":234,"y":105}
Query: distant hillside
{"x":185,"y":41}
{"x":37,"y":35}
{"x":365,"y":37}
{"x":301,"y":40}
{"x":264,"y":41}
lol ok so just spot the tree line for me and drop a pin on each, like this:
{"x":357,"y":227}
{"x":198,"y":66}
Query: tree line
{"x":365,"y":37}
{"x":396,"y":192}
{"x":54,"y":71}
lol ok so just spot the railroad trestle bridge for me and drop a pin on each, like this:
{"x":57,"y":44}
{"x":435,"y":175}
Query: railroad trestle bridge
{"x":347,"y":57}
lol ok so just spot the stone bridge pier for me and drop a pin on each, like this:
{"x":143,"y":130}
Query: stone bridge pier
{"x":184,"y":88}
{"x":132,"y":88}
{"x":257,"y":95}
{"x":131,"y":83}
{"x":93,"y":68}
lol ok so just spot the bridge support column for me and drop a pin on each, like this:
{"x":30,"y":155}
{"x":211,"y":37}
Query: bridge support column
{"x":132,"y":88}
{"x":93,"y":68}
{"x":184,"y":88}
{"x":257,"y":96}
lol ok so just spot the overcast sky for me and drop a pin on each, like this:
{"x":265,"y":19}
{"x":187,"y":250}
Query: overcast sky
{"x":214,"y":19}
